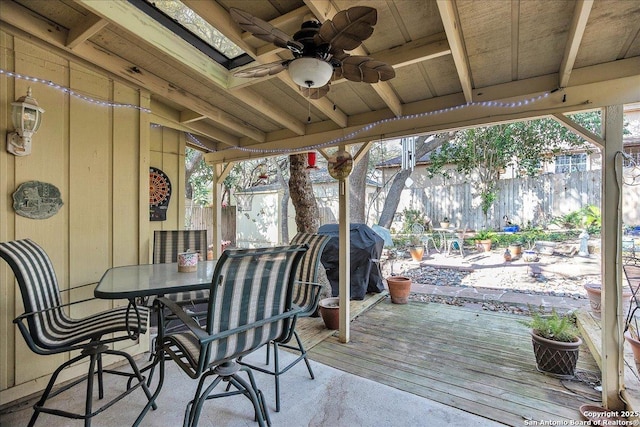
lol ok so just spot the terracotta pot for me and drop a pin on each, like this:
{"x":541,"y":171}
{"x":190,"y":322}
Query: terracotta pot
{"x":635,"y":347}
{"x":484,"y":244}
{"x":444,"y":224}
{"x":330,"y":312}
{"x":417,"y":252}
{"x":556,"y":358}
{"x":515,"y":249}
{"x":594,"y":292}
{"x":399,"y":288}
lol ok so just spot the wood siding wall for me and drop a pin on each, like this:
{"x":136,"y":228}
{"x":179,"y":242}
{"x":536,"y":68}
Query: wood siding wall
{"x":99,"y":158}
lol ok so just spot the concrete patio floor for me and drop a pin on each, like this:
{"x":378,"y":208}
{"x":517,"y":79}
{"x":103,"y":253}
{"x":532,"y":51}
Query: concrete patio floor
{"x":334,"y":398}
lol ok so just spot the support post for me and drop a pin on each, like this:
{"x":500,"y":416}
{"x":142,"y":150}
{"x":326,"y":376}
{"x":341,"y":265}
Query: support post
{"x":344,"y":255}
{"x":219,"y":177}
{"x":611,"y":261}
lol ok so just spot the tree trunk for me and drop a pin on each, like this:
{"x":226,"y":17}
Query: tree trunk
{"x":358,"y":190}
{"x":395,"y":190}
{"x":302,"y":197}
{"x":190,"y":168}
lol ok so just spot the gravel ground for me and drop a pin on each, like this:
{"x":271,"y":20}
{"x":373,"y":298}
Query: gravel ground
{"x":552,"y":276}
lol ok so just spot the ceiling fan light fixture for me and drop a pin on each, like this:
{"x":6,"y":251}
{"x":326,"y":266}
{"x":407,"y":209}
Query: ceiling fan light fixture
{"x":310,"y":72}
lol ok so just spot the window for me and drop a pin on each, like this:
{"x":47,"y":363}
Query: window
{"x":634,"y":152}
{"x":192,"y":28}
{"x":566,"y":163}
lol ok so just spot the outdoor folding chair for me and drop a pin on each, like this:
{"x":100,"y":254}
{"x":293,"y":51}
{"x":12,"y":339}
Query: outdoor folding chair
{"x":306,"y":296}
{"x":249,"y":306}
{"x":48,"y":329}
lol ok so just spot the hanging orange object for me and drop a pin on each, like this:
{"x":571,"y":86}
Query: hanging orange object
{"x":311,"y":160}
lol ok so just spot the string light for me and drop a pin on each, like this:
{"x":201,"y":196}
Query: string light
{"x":72,"y":92}
{"x":336,"y":141}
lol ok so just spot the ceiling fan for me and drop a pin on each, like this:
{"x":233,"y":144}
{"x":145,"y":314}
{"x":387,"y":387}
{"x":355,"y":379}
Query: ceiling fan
{"x":319,"y":50}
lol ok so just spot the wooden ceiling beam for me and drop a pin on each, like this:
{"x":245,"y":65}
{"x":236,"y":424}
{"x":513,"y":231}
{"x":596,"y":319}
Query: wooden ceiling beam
{"x":594,"y":87}
{"x":87,"y":28}
{"x":579,"y":129}
{"x":576,"y":31}
{"x":451,"y":22}
{"x":52,"y":35}
{"x":218,"y":17}
{"x":131,"y":19}
{"x":324,"y":10}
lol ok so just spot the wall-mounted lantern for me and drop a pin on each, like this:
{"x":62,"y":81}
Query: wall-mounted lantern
{"x":26,"y":116}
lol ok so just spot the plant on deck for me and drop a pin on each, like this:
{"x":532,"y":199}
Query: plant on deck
{"x":553,"y":326}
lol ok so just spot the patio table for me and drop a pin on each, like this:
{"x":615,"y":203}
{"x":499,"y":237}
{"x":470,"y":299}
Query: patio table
{"x":133,"y":282}
{"x":445,"y":234}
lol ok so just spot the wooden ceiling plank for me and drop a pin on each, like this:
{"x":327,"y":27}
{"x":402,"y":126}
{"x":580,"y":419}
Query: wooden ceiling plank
{"x":129,"y":18}
{"x":576,"y":31}
{"x":269,"y":109}
{"x":217,"y":16}
{"x":515,"y":37}
{"x":451,"y":25}
{"x":85,"y":30}
{"x":188,"y":116}
{"x":324,"y":10}
{"x":415,"y":51}
{"x":51,"y":35}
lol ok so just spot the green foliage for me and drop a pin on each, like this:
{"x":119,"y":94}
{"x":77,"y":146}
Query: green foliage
{"x":588,"y":217}
{"x":553,"y":326}
{"x":412,"y":216}
{"x":484,"y":235}
{"x":480,"y":153}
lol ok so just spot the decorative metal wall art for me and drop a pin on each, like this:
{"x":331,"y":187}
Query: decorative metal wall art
{"x":37,"y":200}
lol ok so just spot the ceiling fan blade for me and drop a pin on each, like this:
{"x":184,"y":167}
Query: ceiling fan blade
{"x":263,"y":30}
{"x":365,"y":69}
{"x":315,"y":93}
{"x":263,"y":70}
{"x":348,"y":28}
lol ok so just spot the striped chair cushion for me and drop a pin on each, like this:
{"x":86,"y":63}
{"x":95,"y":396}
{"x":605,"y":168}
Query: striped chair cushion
{"x":304,"y":295}
{"x":53,"y":329}
{"x":167,"y":244}
{"x":249,"y":285}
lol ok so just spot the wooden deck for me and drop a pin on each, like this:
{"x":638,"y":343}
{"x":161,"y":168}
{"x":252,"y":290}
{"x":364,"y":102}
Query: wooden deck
{"x":480,"y":362}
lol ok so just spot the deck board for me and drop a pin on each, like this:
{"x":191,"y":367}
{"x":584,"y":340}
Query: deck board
{"x":486,"y":367}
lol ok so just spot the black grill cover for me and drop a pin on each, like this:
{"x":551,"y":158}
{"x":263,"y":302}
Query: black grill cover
{"x":366,"y":249}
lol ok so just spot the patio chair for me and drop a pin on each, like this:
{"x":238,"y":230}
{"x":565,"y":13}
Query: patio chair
{"x":167,"y":244}
{"x":48,"y":329}
{"x":457,"y":241}
{"x":306,"y":296}
{"x":425,"y":238}
{"x":249,"y":306}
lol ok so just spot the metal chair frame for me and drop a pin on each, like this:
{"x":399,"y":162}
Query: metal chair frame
{"x":250,"y":305}
{"x":306,"y":297}
{"x":47,"y":330}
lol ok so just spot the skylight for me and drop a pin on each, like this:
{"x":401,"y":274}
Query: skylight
{"x":191,"y":27}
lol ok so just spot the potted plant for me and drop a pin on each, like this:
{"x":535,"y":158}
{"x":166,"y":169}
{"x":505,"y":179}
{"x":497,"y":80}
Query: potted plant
{"x":484,"y":240}
{"x":444,"y":222}
{"x":399,"y":289}
{"x":556,"y":343}
{"x":515,"y":248}
{"x":416,"y":248}
{"x":330,"y":312}
{"x":594,"y":292}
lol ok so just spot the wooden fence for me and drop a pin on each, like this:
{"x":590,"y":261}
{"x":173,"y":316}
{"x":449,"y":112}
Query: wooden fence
{"x":532,"y":201}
